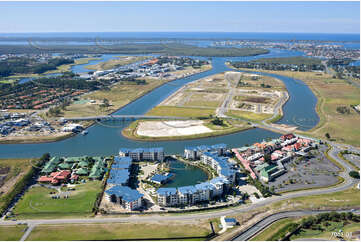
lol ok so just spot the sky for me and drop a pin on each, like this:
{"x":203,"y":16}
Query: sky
{"x":290,"y":17}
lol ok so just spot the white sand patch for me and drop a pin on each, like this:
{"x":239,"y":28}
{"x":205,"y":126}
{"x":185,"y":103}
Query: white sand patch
{"x":171,"y":128}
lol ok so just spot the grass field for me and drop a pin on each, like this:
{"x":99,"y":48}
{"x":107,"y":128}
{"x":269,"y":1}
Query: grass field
{"x":277,"y":230}
{"x":327,"y":233}
{"x":272,"y":230}
{"x":120,"y":231}
{"x":181,"y":111}
{"x":37,"y":202}
{"x":210,"y":100}
{"x":11,"y":233}
{"x":118,"y":96}
{"x":114,"y":63}
{"x":344,"y":199}
{"x":248,"y":115}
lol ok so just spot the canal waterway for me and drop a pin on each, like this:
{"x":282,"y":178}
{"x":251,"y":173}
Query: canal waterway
{"x":106,"y":138}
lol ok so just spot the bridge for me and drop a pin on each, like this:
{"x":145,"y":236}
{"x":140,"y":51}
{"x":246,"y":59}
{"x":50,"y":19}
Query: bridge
{"x":121,"y":117}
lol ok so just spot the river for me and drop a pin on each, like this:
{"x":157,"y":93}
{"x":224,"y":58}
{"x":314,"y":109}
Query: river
{"x":106,"y":139}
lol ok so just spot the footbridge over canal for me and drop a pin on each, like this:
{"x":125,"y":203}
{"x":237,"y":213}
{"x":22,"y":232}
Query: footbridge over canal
{"x":122,"y":117}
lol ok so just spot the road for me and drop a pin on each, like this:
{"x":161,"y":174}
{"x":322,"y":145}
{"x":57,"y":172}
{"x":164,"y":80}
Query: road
{"x":264,"y":223}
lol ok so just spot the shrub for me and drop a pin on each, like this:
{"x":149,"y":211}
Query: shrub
{"x":354,"y":174}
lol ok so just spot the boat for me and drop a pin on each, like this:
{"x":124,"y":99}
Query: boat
{"x":84,"y":132}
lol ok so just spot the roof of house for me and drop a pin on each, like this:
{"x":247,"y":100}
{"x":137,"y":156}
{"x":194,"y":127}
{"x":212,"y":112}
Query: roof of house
{"x":262,"y":166}
{"x":82,"y":171}
{"x":126,"y":193}
{"x":230,"y":220}
{"x":51,"y":165}
{"x":64,"y":166}
{"x":160,"y":177}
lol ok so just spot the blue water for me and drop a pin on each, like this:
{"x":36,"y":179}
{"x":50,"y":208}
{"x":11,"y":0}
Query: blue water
{"x":191,"y":35}
{"x":106,"y":138}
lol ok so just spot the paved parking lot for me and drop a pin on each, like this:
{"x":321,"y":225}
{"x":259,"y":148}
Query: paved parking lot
{"x":307,"y":173}
{"x":355,"y":159}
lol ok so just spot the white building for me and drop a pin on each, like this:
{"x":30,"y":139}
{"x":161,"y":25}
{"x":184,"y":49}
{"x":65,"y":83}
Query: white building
{"x":139,"y":154}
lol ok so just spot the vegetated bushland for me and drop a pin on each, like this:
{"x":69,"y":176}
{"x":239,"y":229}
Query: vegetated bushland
{"x":298,"y":63}
{"x":134,"y":48}
{"x":24,"y":65}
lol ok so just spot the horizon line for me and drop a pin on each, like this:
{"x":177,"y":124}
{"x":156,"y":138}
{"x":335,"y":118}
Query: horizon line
{"x":53,"y":32}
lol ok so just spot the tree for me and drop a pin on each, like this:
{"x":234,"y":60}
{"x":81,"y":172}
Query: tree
{"x":354,"y":174}
{"x":106,"y":102}
{"x":217,"y":121}
{"x":328,"y":136}
{"x":267,"y":158}
{"x":113,"y":198}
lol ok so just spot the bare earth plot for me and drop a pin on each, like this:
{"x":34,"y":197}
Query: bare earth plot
{"x":171,"y":128}
{"x":244,"y":95}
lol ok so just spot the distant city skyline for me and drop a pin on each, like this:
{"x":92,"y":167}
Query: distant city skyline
{"x":276,"y":17}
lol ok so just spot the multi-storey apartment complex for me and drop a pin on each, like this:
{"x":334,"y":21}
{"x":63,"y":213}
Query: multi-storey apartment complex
{"x":188,"y":195}
{"x":139,"y":154}
{"x":195,"y":152}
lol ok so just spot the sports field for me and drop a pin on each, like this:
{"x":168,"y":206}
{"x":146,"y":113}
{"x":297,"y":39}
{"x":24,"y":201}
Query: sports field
{"x":37,"y":202}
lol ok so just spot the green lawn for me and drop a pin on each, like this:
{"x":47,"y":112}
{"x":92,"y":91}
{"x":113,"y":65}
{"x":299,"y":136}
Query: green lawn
{"x":327,"y":232}
{"x":272,"y":230}
{"x":278,"y":229}
{"x":119,"y":231}
{"x":343,"y":199}
{"x":181,"y":111}
{"x":37,"y":202}
{"x":248,"y":115}
{"x":13,"y":232}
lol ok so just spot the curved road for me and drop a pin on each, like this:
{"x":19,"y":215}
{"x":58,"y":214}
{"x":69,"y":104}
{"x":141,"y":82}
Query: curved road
{"x":348,"y":183}
{"x":264,"y":223}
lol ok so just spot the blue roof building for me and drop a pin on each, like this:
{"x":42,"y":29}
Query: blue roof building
{"x":122,"y":162}
{"x":129,"y":198}
{"x":126,"y":193}
{"x":187,"y":189}
{"x":118,"y":177}
{"x":167,"y":191}
{"x":160,"y":179}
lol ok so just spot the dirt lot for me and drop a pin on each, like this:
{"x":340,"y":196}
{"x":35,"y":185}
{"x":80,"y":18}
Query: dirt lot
{"x":171,"y":128}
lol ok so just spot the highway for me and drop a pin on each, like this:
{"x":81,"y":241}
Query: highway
{"x":264,"y":223}
{"x":335,"y":148}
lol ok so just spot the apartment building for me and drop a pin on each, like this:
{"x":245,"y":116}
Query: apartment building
{"x":140,"y":154}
